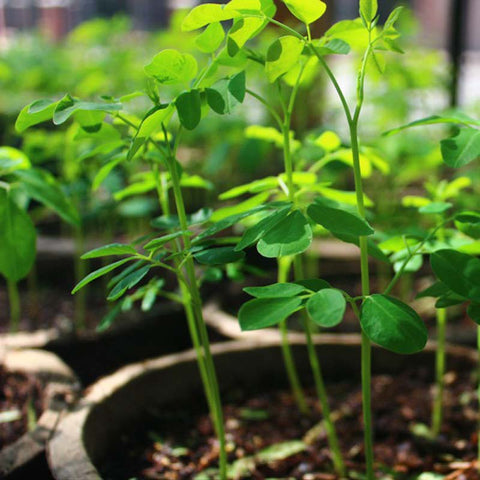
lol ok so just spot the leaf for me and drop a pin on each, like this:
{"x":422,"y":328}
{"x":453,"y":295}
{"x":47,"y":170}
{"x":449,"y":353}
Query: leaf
{"x":256,"y":186}
{"x":227,"y":94}
{"x":37,"y":112}
{"x":458,"y":271}
{"x":313,"y":284}
{"x":282,"y":55}
{"x":435,"y":207}
{"x":462,"y":148}
{"x":68,"y":105}
{"x":108,"y":250}
{"x":128,"y":282}
{"x":281,"y":451}
{"x":43,"y":187}
{"x":170,"y":67}
{"x":327,"y":307}
{"x":11,"y":160}
{"x":334,"y":46}
{"x":17,"y":239}
{"x":337,"y":218}
{"x":99,"y":273}
{"x":218,"y":256}
{"x":328,"y":141}
{"x":266,"y":312}
{"x":393,"y":17}
{"x":205,"y":15}
{"x":105,"y":170}
{"x":393,"y":324}
{"x":468,"y":223}
{"x":438,"y":289}
{"x":256,"y":232}
{"x":243,"y":29}
{"x":307,"y":11}
{"x":211,"y":38}
{"x":368,"y":10}
{"x":157,"y":243}
{"x":189,"y":108}
{"x":473,"y":311}
{"x":277,"y":290}
{"x":291,"y":236}
{"x":240,"y":207}
{"x":109,"y":318}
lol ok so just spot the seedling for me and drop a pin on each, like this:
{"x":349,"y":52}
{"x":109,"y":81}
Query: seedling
{"x":20,"y":183}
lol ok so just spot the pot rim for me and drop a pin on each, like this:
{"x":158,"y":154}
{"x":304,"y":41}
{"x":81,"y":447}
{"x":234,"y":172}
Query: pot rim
{"x":66,"y":452}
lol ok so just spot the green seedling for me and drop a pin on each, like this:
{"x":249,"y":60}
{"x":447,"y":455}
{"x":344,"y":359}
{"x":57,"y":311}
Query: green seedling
{"x":21,"y":183}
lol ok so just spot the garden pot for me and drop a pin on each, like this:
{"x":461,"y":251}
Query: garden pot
{"x":60,"y":388}
{"x":87,"y":436}
{"x":93,"y":354}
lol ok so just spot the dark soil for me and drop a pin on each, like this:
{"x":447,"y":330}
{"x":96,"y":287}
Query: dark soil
{"x":23,"y":393}
{"x":175,"y":444}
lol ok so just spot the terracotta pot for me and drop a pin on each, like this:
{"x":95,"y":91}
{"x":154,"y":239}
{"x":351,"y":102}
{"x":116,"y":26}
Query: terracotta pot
{"x":85,"y":437}
{"x":61,"y":388}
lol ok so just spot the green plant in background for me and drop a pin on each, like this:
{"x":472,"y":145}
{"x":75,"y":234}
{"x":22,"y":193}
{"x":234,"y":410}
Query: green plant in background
{"x":454,"y":259}
{"x":21,"y":184}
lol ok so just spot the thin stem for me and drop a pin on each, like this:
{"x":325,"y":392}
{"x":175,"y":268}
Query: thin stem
{"x":81,"y":269}
{"x":14,"y":302}
{"x":270,"y":109}
{"x":292,"y":374}
{"x":320,"y":384}
{"x":437,"y":413}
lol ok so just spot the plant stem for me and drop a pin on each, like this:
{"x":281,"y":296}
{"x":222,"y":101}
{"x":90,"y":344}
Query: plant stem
{"x":14,"y":302}
{"x":320,"y":384}
{"x":196,"y":305}
{"x":437,"y":413}
{"x":292,"y":374}
{"x":81,"y":269}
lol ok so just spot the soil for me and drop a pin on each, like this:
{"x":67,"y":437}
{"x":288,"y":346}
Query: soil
{"x":23,"y":393}
{"x":175,"y":444}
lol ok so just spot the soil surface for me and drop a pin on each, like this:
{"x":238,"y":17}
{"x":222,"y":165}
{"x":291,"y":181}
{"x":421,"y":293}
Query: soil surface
{"x":174,"y":444}
{"x":20,"y":396}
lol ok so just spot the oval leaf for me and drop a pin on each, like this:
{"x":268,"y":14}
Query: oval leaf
{"x":107,"y":250}
{"x":458,"y":271}
{"x":291,"y":236}
{"x":393,"y":324}
{"x":189,"y":108}
{"x":307,"y":11}
{"x":170,"y":67}
{"x":218,"y":256}
{"x":327,"y":307}
{"x":277,"y":290}
{"x":283,"y":55}
{"x":338,"y":219}
{"x":266,"y":312}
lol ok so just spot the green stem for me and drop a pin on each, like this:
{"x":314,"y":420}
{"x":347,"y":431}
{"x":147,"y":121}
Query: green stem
{"x":320,"y":384}
{"x":196,"y":305}
{"x":437,"y":413}
{"x":292,"y":373}
{"x":81,"y":269}
{"x":14,"y":302}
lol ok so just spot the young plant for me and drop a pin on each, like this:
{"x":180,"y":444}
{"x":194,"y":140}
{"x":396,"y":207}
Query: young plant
{"x":286,"y":231}
{"x":20,"y":183}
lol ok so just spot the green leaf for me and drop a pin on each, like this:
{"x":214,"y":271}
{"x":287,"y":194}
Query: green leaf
{"x":17,"y":239}
{"x":473,"y":311}
{"x":462,"y":148}
{"x":256,"y":186}
{"x":227,"y":94}
{"x":327,"y":307}
{"x":218,"y":256}
{"x":99,"y":273}
{"x":313,"y":284}
{"x":266,"y":312}
{"x":68,"y":105}
{"x":393,"y":324}
{"x":277,"y":290}
{"x":243,"y":29}
{"x":211,"y":38}
{"x":189,"y":108}
{"x":307,"y":11}
{"x":109,"y":318}
{"x":256,"y":232}
{"x":128,"y":282}
{"x":43,"y":187}
{"x":205,"y":15}
{"x":335,"y":46}
{"x":290,"y":236}
{"x":108,"y":250}
{"x":438,"y":289}
{"x":393,"y":17}
{"x":435,"y":208}
{"x":11,"y":160}
{"x":368,"y":10}
{"x":157,"y":243}
{"x":240,"y":207}
{"x":458,"y":271}
{"x":337,"y":218}
{"x":170,"y":67}
{"x":37,"y":112}
{"x":469,"y":224}
{"x":281,"y":451}
{"x":449,"y":301}
{"x":282,"y":55}
{"x":105,"y":170}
